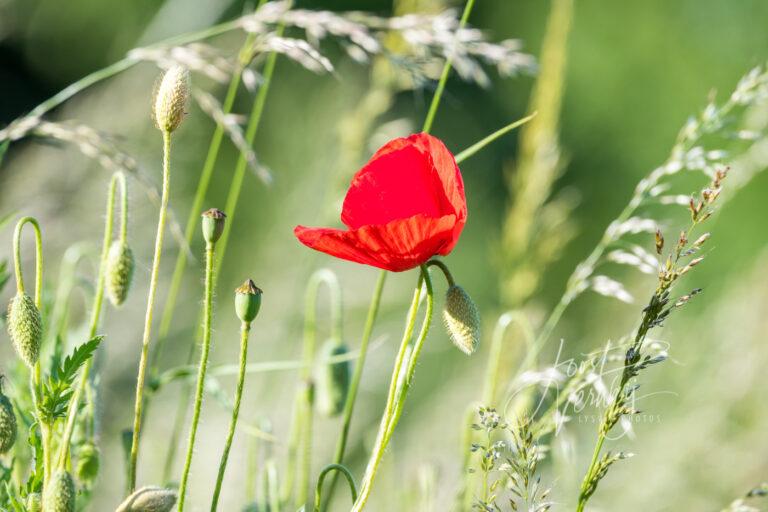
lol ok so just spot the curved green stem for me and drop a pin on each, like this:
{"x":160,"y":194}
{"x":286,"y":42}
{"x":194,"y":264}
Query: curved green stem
{"x":207,"y":317}
{"x":245,"y":329}
{"x":38,"y":258}
{"x":306,"y":396}
{"x":349,"y":405}
{"x":402,"y":378}
{"x":482,"y":143}
{"x":118,"y":179}
{"x":140,"y":381}
{"x":338,"y":468}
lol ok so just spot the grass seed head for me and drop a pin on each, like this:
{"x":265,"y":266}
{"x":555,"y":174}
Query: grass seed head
{"x":462,"y":319}
{"x":213,"y":225}
{"x":120,"y":267}
{"x":8,"y":426}
{"x":60,"y":493}
{"x":171,"y":99}
{"x":149,"y":499}
{"x":332,"y":380}
{"x":247,"y":301}
{"x":25,"y":327}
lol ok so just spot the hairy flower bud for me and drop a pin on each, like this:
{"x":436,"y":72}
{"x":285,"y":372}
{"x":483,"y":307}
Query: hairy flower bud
{"x":34,"y":503}
{"x":25,"y":326}
{"x":462,"y":319}
{"x":247,"y":301}
{"x":60,"y":493}
{"x":332,"y":380}
{"x":119,"y":270}
{"x":149,"y":499}
{"x":171,"y":98}
{"x":213,"y":225}
{"x":8,"y":427}
{"x":88,"y":463}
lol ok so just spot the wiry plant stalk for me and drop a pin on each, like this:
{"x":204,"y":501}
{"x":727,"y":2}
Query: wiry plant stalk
{"x":202,"y":369}
{"x":402,"y":375}
{"x":140,"y":381}
{"x":231,"y":208}
{"x":118,"y":179}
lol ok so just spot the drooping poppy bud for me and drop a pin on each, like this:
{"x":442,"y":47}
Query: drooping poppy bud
{"x":332,"y":379}
{"x":462,"y":319}
{"x":149,"y":499}
{"x":8,"y":426}
{"x":120,"y":267}
{"x":25,"y":327}
{"x":60,"y":493}
{"x":247,"y":301}
{"x":213,"y":225}
{"x":88,"y":463}
{"x":171,"y":98}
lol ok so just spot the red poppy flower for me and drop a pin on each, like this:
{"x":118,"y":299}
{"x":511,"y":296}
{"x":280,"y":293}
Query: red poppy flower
{"x":406,"y":205}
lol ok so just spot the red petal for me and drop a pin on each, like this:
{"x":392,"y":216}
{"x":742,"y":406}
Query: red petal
{"x":448,"y":171}
{"x":400,"y":181}
{"x":396,"y":246}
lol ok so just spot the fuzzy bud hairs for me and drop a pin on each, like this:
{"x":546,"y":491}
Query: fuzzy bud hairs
{"x":171,"y":98}
{"x":149,"y":499}
{"x":462,"y":319}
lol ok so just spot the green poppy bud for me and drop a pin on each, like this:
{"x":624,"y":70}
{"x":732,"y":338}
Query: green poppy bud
{"x":25,"y":326}
{"x":119,"y":272}
{"x":213,"y":225}
{"x":34,"y":503}
{"x":60,"y":493}
{"x":149,"y":499}
{"x":462,"y":319}
{"x":247,"y":301}
{"x":88,"y":463}
{"x":8,"y":427}
{"x":171,"y":98}
{"x":332,"y":379}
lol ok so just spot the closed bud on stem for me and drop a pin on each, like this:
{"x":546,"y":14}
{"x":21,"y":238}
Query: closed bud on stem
{"x":25,"y":327}
{"x":213,"y":225}
{"x":119,"y":270}
{"x":34,"y":503}
{"x":332,"y":379}
{"x":60,"y":493}
{"x":8,"y":426}
{"x":171,"y":98}
{"x":88,"y":463}
{"x":462,"y":320}
{"x":149,"y":499}
{"x":247,"y":301}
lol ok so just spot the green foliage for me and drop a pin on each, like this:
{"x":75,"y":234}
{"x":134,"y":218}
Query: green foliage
{"x":58,"y":388}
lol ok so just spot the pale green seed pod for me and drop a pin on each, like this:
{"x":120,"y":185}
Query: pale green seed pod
{"x":149,"y":499}
{"x":8,"y":426}
{"x":462,"y":320}
{"x":247,"y":301}
{"x":171,"y":98}
{"x":60,"y":493}
{"x":119,"y":270}
{"x":332,"y":379}
{"x":88,"y":463}
{"x":25,"y":326}
{"x":213,"y":225}
{"x":34,"y":502}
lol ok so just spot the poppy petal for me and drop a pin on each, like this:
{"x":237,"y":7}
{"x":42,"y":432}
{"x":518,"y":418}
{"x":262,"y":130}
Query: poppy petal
{"x":396,"y":246}
{"x":400,"y":181}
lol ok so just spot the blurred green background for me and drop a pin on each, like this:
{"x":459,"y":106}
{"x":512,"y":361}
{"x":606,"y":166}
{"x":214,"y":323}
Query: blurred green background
{"x":635,"y":72}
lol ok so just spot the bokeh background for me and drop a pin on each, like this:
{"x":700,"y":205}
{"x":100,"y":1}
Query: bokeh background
{"x":635,"y":72}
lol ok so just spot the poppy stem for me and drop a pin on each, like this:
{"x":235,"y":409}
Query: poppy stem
{"x":349,"y":405}
{"x":444,"y":75}
{"x":402,"y":378}
{"x":338,"y":468}
{"x":444,"y":268}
